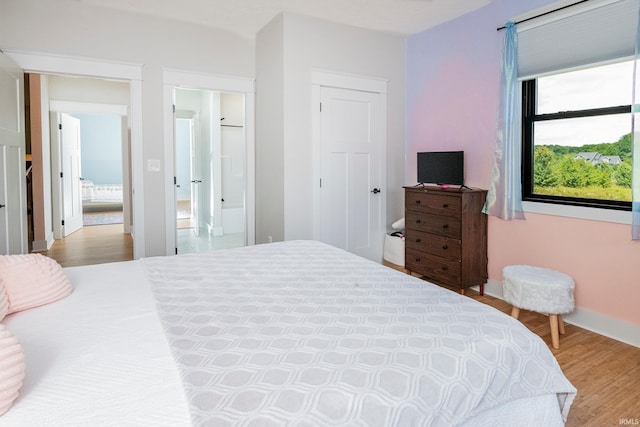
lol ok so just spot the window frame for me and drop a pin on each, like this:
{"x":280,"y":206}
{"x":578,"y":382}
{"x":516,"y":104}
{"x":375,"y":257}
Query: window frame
{"x":529,"y":118}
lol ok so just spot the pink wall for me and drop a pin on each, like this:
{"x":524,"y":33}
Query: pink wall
{"x":600,"y":256}
{"x":452,"y":94}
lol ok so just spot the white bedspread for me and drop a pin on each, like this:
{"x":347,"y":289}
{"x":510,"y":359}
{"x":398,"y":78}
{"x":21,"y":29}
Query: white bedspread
{"x":300,"y":333}
{"x":98,"y":357}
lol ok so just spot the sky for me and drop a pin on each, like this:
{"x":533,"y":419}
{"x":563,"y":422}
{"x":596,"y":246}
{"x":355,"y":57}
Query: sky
{"x":605,"y":86}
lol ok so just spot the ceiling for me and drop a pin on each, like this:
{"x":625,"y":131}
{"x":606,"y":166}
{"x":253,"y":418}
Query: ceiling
{"x":246,"y":17}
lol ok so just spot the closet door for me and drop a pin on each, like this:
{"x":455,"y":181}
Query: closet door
{"x":13,"y":200}
{"x":352,"y":196}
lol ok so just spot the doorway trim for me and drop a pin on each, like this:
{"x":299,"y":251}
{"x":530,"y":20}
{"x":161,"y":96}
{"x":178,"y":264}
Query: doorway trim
{"x":324,"y":78}
{"x":42,"y":63}
{"x":74,"y":107}
{"x":192,"y":80}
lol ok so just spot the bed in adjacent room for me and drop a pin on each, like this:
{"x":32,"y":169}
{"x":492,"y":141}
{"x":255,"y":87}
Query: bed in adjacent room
{"x":100,"y":197}
{"x":292,"y":333}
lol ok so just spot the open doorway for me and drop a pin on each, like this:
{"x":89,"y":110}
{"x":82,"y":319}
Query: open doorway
{"x":88,"y":147}
{"x":39,"y":68}
{"x":101,"y":165}
{"x":209,"y":157}
{"x":89,"y":165}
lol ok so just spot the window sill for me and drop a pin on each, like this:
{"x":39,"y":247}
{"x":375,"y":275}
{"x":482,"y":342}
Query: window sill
{"x":593,"y":214}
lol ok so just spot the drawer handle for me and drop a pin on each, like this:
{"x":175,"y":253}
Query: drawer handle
{"x":445,"y":268}
{"x":417,"y":259}
{"x":446,"y":205}
{"x":418,"y":221}
{"x":445,"y":226}
{"x":418,"y":240}
{"x":445,"y":247}
{"x":417,"y":202}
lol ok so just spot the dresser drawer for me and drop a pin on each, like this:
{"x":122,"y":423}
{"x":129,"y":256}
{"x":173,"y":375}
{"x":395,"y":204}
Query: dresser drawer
{"x":438,"y":269}
{"x":433,"y":244}
{"x":439,"y":204}
{"x":434,"y":224}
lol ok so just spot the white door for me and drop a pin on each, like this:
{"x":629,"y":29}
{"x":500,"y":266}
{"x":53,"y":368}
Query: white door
{"x":352,"y":135}
{"x":195,"y":173}
{"x":13,"y":200}
{"x":188,"y":171}
{"x":71,"y":174}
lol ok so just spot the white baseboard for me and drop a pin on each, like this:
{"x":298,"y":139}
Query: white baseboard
{"x":608,"y":326}
{"x":43,"y":245}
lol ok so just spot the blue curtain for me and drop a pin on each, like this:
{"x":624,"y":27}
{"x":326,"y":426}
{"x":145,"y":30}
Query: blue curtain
{"x":635,"y":129}
{"x":504,"y":198}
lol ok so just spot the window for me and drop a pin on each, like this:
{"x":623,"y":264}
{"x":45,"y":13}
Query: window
{"x":577,"y":137}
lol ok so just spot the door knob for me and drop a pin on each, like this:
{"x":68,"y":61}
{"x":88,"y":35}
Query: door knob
{"x":2,"y":206}
{"x":375,"y":191}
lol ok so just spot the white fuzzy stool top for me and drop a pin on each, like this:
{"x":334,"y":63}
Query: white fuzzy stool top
{"x":538,"y":289}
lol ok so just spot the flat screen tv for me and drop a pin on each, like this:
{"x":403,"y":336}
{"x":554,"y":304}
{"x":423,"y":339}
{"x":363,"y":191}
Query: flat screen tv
{"x":441,"y":168}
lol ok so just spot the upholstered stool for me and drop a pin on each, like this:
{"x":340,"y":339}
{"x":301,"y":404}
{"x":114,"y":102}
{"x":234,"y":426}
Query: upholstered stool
{"x":541,"y":290}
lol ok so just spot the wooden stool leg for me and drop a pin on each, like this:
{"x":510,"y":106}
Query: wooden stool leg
{"x":515,"y":312}
{"x":560,"y":324}
{"x":555,"y":338}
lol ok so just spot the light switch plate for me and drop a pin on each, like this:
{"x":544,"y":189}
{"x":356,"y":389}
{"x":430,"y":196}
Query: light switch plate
{"x":153,"y":165}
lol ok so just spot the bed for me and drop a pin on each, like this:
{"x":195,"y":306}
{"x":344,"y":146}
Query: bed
{"x":101,"y":196}
{"x":294,"y":333}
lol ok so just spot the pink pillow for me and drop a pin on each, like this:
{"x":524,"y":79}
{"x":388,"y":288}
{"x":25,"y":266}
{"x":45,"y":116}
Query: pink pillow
{"x":4,"y":301}
{"x":32,"y":280}
{"x":12,"y":368}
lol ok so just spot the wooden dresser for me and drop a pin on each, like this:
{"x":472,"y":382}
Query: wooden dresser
{"x":446,"y":236}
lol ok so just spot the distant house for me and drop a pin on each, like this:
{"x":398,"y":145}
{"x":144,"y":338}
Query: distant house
{"x":596,"y":158}
{"x":592,"y":157}
{"x":612,"y":160}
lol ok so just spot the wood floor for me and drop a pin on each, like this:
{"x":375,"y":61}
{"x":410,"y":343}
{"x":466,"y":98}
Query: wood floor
{"x":606,"y":372}
{"x":96,"y":244}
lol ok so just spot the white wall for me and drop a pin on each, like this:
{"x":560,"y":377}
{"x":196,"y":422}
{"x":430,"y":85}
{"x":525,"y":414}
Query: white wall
{"x":306,"y":44}
{"x":73,"y":28}
{"x":270,"y":132}
{"x":285,"y":53}
{"x":88,"y":90}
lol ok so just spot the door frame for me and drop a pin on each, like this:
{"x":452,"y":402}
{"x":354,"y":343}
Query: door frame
{"x":41,"y":63}
{"x":323,"y":78}
{"x":74,"y":107}
{"x":184,"y":79}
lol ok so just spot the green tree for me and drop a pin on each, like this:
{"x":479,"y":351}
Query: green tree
{"x":622,"y":174}
{"x":599,"y":175}
{"x":543,"y":167}
{"x":622,"y":147}
{"x":625,"y":147}
{"x":572,"y":173}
